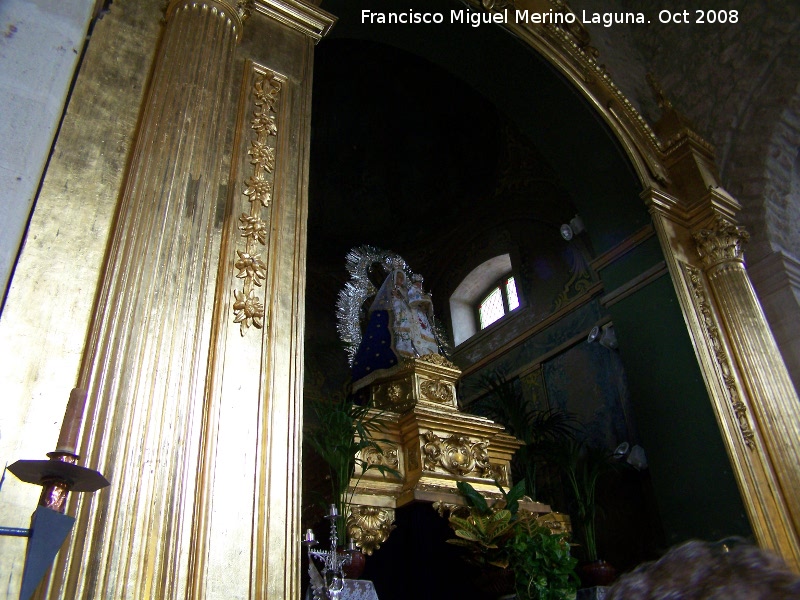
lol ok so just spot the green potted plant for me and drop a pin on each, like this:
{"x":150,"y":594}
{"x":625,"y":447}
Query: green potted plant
{"x":584,"y":466}
{"x":515,"y":544}
{"x":544,"y":568}
{"x":340,"y":432}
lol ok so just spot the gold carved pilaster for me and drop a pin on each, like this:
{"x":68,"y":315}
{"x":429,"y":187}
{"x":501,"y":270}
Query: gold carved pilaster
{"x":773,"y":399}
{"x":703,"y":251}
{"x":197,"y":427}
{"x":144,"y":363}
{"x":747,"y":381}
{"x":695,"y":277}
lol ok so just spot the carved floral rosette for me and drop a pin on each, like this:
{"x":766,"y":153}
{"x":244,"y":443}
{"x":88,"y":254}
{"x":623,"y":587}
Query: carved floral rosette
{"x":395,"y":395}
{"x":248,"y":307}
{"x":386,"y":458}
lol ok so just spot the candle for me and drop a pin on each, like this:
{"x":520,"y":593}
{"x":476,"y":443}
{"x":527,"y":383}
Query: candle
{"x":309,"y":537}
{"x":333,"y":512}
{"x":71,"y":426}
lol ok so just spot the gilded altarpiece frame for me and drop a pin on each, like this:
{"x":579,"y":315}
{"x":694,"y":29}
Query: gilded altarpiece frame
{"x":748,"y":391}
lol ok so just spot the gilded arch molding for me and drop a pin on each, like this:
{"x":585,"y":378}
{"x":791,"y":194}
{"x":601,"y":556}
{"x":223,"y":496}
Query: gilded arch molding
{"x":755,"y":403}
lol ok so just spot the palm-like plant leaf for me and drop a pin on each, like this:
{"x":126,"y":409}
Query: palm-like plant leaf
{"x":343,"y":429}
{"x":504,"y":402}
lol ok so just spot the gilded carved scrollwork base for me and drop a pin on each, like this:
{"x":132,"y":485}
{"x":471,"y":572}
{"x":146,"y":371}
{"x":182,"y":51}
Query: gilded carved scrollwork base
{"x":369,"y":526}
{"x":431,"y":444}
{"x":429,"y":379}
{"x":502,"y":475}
{"x":385,"y":457}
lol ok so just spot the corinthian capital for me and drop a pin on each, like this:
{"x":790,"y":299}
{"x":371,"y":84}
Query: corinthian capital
{"x":721,"y":243}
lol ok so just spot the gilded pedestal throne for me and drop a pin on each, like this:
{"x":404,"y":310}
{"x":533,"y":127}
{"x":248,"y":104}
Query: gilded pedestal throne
{"x":432,"y":445}
{"x":428,"y":440}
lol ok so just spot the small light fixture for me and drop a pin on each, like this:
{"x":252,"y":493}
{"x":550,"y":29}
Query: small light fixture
{"x":573,"y":228}
{"x":633,"y":455}
{"x":621,"y":451}
{"x":605,"y":335}
{"x":637,"y":458}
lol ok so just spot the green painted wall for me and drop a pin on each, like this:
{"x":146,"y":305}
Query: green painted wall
{"x":692,"y":477}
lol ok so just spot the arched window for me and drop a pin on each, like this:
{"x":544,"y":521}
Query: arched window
{"x":487,"y":294}
{"x":501,"y":300}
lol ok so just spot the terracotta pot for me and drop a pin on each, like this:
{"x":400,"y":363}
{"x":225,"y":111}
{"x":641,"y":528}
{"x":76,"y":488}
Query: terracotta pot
{"x":597,"y":572}
{"x":357,"y":563}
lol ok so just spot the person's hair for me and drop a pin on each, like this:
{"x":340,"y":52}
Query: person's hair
{"x":730,"y":569}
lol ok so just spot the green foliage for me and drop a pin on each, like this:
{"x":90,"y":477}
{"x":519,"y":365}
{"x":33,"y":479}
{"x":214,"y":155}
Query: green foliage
{"x":584,"y":465}
{"x":539,"y":429}
{"x":485,"y":536}
{"x":477,"y":502}
{"x":342,"y":431}
{"x":486,"y":530}
{"x":502,"y":536}
{"x":543,"y":566}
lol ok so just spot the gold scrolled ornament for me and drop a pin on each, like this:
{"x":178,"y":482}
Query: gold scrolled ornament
{"x":369,"y":526}
{"x":437,"y":390}
{"x":456,"y":454}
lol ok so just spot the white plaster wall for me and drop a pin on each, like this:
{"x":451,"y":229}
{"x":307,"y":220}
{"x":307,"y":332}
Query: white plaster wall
{"x":468,"y":292}
{"x":40,"y":45}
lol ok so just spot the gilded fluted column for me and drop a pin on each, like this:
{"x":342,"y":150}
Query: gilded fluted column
{"x":773,"y":401}
{"x":145,"y":359}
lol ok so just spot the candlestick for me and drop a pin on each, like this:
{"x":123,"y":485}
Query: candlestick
{"x":330,"y":581}
{"x":57,"y":476}
{"x":310,"y":538}
{"x":71,"y":425}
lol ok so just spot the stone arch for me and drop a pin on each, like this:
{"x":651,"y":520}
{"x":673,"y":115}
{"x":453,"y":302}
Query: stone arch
{"x":762,"y":157}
